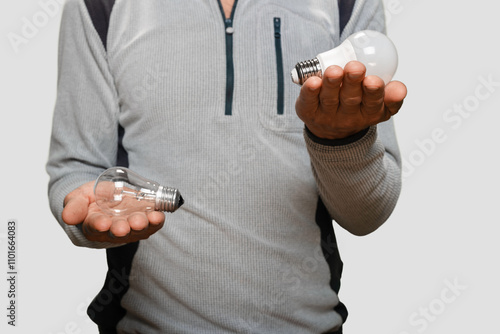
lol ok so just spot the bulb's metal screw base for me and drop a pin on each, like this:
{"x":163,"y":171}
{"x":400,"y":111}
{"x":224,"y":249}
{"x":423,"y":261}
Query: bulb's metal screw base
{"x":306,"y":69}
{"x":168,"y":199}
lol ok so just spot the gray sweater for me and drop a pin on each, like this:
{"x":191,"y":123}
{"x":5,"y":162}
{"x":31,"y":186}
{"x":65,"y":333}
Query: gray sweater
{"x":202,"y":112}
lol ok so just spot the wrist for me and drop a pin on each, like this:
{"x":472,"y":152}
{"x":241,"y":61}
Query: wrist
{"x":336,"y":141}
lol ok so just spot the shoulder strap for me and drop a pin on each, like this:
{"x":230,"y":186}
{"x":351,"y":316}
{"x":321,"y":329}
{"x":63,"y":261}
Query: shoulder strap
{"x":345,"y":12}
{"x":100,"y":11}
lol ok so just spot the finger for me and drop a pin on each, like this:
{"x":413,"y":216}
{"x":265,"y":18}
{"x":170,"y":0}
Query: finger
{"x":329,"y":95}
{"x":308,"y":102}
{"x":373,"y":96}
{"x":156,"y":218}
{"x":96,"y":227}
{"x":120,"y":227}
{"x":97,"y":223}
{"x":75,"y":209}
{"x":138,"y":221}
{"x":152,"y":221}
{"x":395,"y":93}
{"x":351,"y":91}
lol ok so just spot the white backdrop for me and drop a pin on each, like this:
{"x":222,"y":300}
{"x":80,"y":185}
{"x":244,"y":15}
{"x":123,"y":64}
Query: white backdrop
{"x":432,"y":268}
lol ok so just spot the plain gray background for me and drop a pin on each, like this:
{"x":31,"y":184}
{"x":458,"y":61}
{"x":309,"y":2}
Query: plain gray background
{"x":432,"y":268}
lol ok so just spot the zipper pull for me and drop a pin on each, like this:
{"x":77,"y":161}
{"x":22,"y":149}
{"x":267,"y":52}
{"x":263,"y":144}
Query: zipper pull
{"x":277,"y":27}
{"x":229,"y":26}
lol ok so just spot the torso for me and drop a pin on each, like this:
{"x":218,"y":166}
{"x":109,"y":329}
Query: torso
{"x":224,"y":242}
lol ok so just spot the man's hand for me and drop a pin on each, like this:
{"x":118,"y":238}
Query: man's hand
{"x":80,"y":207}
{"x":346,"y":102}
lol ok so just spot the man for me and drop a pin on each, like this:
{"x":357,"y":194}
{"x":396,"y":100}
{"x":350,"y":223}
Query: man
{"x":197,"y":91}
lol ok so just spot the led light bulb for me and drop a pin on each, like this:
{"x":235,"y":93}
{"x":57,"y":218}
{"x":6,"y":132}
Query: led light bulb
{"x":120,"y":191}
{"x":372,"y":48}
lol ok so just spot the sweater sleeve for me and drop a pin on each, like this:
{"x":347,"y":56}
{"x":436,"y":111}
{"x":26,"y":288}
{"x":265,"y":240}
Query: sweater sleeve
{"x":359,"y":181}
{"x":84,"y":129}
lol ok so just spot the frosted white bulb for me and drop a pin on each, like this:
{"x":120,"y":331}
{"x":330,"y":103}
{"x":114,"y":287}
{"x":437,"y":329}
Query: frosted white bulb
{"x":120,"y":191}
{"x":372,"y":48}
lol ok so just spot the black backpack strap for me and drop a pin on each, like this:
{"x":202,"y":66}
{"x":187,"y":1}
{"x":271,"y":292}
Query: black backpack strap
{"x":331,"y":253}
{"x":100,"y":11}
{"x":106,"y":310}
{"x":345,"y":12}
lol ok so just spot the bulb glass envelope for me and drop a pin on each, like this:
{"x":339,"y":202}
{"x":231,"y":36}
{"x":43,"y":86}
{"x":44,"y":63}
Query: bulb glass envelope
{"x":120,"y":191}
{"x":372,"y":48}
{"x":376,"y":51}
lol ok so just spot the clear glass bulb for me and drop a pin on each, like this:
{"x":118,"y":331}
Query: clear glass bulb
{"x":372,"y":48}
{"x":120,"y":191}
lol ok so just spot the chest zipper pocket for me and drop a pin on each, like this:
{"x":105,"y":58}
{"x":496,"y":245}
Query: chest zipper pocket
{"x":279,"y":66}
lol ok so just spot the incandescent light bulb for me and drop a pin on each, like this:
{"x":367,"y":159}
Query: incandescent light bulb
{"x":120,"y":191}
{"x":372,"y":48}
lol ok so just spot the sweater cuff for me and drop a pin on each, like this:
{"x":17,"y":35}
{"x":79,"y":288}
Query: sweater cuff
{"x":336,"y":142}
{"x":354,"y":151}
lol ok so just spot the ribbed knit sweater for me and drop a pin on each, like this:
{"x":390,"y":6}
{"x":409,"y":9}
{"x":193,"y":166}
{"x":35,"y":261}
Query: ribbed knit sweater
{"x":207,"y":107}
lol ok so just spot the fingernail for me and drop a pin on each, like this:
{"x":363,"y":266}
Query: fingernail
{"x":354,"y":76}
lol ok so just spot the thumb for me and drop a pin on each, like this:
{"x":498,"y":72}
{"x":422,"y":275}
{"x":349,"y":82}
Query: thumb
{"x":395,"y":93}
{"x":308,"y":100}
{"x":76,"y":204}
